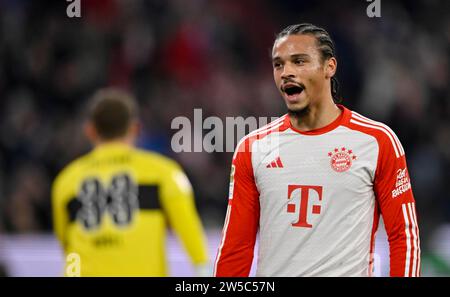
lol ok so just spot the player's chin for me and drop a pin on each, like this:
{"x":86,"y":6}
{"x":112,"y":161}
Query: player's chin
{"x":296,"y":105}
{"x":297,"y":109}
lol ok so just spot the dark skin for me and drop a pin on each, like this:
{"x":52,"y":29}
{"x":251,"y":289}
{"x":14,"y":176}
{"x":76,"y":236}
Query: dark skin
{"x":303,"y":79}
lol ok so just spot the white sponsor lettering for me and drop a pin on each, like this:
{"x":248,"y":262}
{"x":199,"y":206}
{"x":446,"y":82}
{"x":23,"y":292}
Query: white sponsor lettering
{"x":402,"y":183}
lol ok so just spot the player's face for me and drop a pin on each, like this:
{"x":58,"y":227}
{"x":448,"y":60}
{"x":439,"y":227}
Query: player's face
{"x":298,"y":70}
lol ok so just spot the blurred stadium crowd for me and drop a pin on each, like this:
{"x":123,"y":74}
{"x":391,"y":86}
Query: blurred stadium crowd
{"x":177,"y":55}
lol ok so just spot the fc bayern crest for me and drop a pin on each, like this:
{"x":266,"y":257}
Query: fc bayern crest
{"x":341,"y":159}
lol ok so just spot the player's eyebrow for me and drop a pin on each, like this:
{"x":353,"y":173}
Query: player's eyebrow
{"x":304,"y":56}
{"x":294,"y":56}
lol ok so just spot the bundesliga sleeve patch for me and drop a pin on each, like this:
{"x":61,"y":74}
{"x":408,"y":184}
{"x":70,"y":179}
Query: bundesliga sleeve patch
{"x":231,"y":189}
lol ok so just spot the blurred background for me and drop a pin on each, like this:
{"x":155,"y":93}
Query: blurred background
{"x":177,"y":55}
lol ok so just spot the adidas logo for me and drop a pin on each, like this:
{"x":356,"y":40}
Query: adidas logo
{"x":275,"y":163}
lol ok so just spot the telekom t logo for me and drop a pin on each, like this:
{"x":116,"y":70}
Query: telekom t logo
{"x":304,"y":199}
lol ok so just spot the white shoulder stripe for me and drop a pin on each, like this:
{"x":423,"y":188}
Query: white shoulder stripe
{"x":380,"y":129}
{"x":367,"y":120}
{"x":267,"y":127}
{"x":364,"y":119}
{"x":273,"y":125}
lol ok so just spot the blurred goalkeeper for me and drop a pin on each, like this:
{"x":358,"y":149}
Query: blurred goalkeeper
{"x":111,"y":206}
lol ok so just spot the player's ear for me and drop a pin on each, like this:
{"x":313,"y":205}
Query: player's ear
{"x":90,"y":132}
{"x":330,"y":67}
{"x":134,"y":129}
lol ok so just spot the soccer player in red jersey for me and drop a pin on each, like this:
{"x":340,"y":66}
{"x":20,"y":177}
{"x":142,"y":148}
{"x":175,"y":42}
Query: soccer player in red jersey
{"x":315,"y":181}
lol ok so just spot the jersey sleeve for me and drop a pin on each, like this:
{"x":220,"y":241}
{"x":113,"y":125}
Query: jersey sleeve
{"x":396,"y":201}
{"x":235,"y":254}
{"x":178,"y":203}
{"x":59,"y":213}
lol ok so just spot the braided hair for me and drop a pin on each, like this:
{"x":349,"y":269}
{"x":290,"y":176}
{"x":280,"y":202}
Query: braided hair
{"x":325,"y":46}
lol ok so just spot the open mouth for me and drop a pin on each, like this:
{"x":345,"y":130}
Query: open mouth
{"x":292,"y":89}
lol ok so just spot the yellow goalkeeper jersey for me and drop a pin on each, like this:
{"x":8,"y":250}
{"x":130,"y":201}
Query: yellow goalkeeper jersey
{"x":111,"y":209}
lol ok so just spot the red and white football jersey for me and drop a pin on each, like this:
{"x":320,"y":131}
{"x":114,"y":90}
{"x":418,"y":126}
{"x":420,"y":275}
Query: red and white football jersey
{"x":316,"y":197}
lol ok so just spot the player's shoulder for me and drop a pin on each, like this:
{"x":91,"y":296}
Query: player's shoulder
{"x":385,"y":136}
{"x":70,"y":170}
{"x":155,"y":159}
{"x":259,"y":134}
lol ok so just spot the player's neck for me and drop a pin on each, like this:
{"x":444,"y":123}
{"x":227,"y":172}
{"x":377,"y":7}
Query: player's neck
{"x":123,"y":141}
{"x":315,"y":116}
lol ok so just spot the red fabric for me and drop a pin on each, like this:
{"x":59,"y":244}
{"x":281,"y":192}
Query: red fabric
{"x":391,"y":208}
{"x":235,"y":254}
